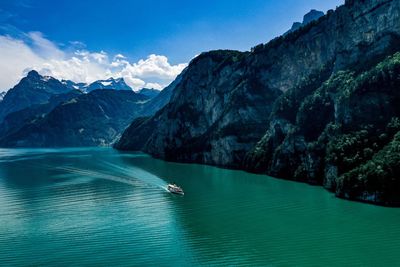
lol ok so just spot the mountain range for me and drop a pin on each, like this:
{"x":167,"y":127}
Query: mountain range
{"x":41,"y":111}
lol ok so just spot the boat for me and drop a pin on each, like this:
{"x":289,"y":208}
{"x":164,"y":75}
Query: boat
{"x":173,"y":188}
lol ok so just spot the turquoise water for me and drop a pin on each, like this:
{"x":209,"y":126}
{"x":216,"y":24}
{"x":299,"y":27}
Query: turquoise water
{"x":100,"y":207}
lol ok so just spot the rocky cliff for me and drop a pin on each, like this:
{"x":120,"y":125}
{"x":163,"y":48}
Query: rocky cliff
{"x":286,"y":107}
{"x":333,"y":129}
{"x":214,"y":112}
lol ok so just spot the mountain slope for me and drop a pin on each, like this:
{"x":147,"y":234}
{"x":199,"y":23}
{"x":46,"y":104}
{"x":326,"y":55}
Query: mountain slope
{"x":16,"y":120}
{"x":28,"y":126}
{"x":111,"y":84}
{"x":74,"y":86}
{"x":332,"y":129}
{"x":149,"y":92}
{"x":31,"y":90}
{"x":227,"y":100}
{"x":210,"y":100}
{"x":217,"y":81}
{"x":91,"y":119}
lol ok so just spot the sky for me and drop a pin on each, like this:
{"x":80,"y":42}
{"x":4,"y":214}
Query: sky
{"x":146,"y":42}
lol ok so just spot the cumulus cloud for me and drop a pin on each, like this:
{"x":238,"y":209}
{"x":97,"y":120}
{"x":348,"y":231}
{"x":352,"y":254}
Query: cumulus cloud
{"x":35,"y":51}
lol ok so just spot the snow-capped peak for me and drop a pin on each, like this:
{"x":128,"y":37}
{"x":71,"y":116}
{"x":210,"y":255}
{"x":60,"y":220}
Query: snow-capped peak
{"x":111,"y":84}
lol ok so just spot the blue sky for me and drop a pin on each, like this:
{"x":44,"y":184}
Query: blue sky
{"x":178,"y":30}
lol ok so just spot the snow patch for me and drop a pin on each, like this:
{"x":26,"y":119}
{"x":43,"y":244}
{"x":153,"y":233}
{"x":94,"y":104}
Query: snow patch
{"x":106,"y":83}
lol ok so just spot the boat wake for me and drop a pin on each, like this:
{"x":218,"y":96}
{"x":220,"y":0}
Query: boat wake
{"x":113,"y":172}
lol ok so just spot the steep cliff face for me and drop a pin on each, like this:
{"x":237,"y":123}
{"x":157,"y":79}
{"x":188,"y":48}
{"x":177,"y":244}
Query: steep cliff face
{"x":220,"y":108}
{"x":333,"y":130}
{"x":215,"y":113}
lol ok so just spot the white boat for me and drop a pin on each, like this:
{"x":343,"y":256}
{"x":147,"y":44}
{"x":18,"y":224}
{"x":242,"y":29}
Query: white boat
{"x":173,"y":188}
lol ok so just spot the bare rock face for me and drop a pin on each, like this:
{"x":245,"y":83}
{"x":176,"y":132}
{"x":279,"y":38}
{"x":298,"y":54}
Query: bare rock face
{"x":214,"y":113}
{"x":310,"y":106}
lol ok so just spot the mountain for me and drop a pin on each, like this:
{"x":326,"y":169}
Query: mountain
{"x":216,"y":96}
{"x":316,"y":105}
{"x":92,"y":119}
{"x":78,"y":119}
{"x":31,"y":90}
{"x":149,"y":92}
{"x":74,"y":86}
{"x":332,"y":133}
{"x":14,"y":121}
{"x":111,"y":83}
{"x":308,"y":18}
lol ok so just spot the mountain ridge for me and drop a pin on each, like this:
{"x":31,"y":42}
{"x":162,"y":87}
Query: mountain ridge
{"x":35,"y":123}
{"x":223,"y":102}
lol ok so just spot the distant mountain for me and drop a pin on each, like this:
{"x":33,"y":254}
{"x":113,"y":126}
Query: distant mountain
{"x":149,"y":92}
{"x":73,"y":118}
{"x":111,"y":83}
{"x":309,"y":17}
{"x":16,"y":120}
{"x":74,"y":86}
{"x":93,"y":119}
{"x":31,"y":90}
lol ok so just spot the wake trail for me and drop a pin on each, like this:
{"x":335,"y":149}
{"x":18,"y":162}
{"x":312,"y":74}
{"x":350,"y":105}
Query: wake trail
{"x":100,"y":175}
{"x":131,"y":176}
{"x":139,"y":174}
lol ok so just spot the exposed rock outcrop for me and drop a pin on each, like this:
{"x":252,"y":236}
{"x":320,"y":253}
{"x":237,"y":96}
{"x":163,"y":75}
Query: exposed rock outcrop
{"x":286,"y":107}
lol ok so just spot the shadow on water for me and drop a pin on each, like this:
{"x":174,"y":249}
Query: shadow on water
{"x":275,"y":221}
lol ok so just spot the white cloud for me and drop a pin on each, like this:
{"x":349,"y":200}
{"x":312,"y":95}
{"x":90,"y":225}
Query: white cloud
{"x":36,"y":52}
{"x":119,"y":56}
{"x":43,"y":46}
{"x":15,"y":56}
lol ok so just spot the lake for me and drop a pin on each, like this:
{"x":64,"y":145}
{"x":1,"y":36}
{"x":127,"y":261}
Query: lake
{"x":101,"y":207}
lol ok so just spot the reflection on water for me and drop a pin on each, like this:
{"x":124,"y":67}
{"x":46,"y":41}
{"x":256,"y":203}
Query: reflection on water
{"x":98,"y":206}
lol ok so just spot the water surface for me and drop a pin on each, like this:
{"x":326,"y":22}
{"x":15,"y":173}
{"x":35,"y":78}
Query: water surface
{"x":100,"y":207}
